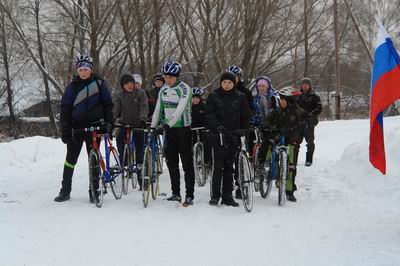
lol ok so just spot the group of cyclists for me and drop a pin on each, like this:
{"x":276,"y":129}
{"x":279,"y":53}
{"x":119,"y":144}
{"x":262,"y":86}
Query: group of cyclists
{"x":175,"y":107}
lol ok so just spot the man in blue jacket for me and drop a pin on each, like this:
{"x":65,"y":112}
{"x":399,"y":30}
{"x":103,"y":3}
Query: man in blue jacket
{"x":86,"y":102}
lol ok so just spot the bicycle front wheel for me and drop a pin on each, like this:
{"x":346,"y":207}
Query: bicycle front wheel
{"x":116,"y":173}
{"x":95,"y":178}
{"x":155,"y":184}
{"x":146,"y":175}
{"x":283,"y":172}
{"x":199,"y":165}
{"x":245,"y":181}
{"x":256,"y":167}
{"x":127,"y":168}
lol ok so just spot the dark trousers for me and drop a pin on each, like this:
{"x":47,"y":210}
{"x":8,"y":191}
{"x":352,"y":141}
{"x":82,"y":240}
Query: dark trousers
{"x":293,"y":153}
{"x":308,"y":135}
{"x":73,"y":151}
{"x":139,"y":143}
{"x":179,"y":143}
{"x":224,"y":158}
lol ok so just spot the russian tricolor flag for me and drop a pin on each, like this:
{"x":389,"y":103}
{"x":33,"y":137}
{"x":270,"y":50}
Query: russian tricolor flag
{"x":385,"y":89}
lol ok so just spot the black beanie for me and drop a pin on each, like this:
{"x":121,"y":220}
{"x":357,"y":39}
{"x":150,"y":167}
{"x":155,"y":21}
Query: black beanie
{"x":229,"y":76}
{"x":127,"y":78}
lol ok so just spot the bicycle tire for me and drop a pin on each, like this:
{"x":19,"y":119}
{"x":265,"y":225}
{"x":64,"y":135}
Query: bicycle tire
{"x":283,"y":171}
{"x":95,"y":176}
{"x":155,"y":184}
{"x":245,"y":181}
{"x":212,"y":171}
{"x":199,"y":166}
{"x":266,"y":180}
{"x":256,"y":166}
{"x":116,"y":173}
{"x":127,"y":167}
{"x":146,"y":175}
{"x":160,"y":150}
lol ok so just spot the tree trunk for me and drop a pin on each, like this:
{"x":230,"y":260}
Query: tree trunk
{"x":49,"y":108}
{"x":13,"y":120}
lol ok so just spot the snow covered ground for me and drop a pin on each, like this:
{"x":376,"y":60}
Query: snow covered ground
{"x":346,"y":214}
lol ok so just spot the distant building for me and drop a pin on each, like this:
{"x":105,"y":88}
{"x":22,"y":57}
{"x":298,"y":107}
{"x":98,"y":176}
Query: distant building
{"x":40,"y":109}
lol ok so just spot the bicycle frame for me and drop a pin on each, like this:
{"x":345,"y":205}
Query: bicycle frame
{"x":105,"y":166}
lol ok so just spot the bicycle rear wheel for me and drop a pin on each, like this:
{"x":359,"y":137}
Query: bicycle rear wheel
{"x":199,"y":164}
{"x":116,"y":173}
{"x":127,"y":167}
{"x":283,"y":171}
{"x":95,"y":178}
{"x":245,"y":181}
{"x":146,"y":175}
{"x":266,"y":179}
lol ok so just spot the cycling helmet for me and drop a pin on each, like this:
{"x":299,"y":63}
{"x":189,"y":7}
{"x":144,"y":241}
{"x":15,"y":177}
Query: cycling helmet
{"x":158,"y":76}
{"x":83,"y":61}
{"x":289,"y":93}
{"x":171,"y":68}
{"x":235,"y":69}
{"x":198,"y":91}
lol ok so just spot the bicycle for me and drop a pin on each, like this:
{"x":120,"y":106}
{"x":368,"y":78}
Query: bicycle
{"x":103,"y":171}
{"x":255,"y":158}
{"x":201,"y":169}
{"x":152,"y":167}
{"x":278,"y":169}
{"x":245,"y":171}
{"x":129,"y":162}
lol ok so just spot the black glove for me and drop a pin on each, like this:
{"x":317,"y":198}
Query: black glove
{"x":143,"y":124}
{"x":66,"y":135}
{"x":221,"y":129}
{"x":166,"y":127}
{"x":158,"y":130}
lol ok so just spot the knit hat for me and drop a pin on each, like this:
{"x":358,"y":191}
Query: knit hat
{"x":262,"y":81}
{"x":158,"y":76}
{"x":126,"y":78}
{"x":84,"y":64}
{"x":138,"y":78}
{"x":228,"y":76}
{"x":305,"y":81}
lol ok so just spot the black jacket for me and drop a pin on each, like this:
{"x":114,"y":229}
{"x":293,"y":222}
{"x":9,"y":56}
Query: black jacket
{"x":249,"y":96}
{"x":227,"y":108}
{"x":198,"y":114}
{"x":85,"y":102}
{"x":311,"y":103}
{"x":288,"y":121}
{"x":152,"y":96}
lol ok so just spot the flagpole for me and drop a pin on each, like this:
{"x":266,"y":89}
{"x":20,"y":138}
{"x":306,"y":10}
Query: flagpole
{"x":359,"y":32}
{"x":337,"y":69}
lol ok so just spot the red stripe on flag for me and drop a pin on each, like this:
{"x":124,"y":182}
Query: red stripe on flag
{"x":386,"y":91}
{"x":377,"y":147}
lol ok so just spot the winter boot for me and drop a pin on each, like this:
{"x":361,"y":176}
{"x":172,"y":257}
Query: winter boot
{"x":213,"y":202}
{"x":188,"y":201}
{"x":309,"y":159}
{"x":290,"y":196}
{"x":175,"y":198}
{"x":62,"y":196}
{"x":230,"y":202}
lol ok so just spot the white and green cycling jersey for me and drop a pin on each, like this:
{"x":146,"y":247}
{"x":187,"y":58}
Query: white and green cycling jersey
{"x":174,"y":106}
